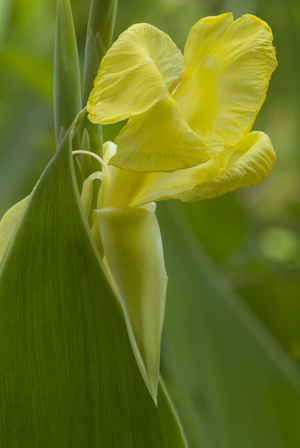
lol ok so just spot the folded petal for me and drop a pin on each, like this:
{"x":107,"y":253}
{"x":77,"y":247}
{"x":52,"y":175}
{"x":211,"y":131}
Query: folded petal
{"x":249,"y":164}
{"x":174,"y":185}
{"x":228,"y":65}
{"x":133,"y":249}
{"x":135,"y":74}
{"x":160,"y":139}
{"x":8,"y":225}
{"x":245,"y":165}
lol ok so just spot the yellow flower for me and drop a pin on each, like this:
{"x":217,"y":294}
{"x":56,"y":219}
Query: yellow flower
{"x":189,"y":116}
{"x":187,"y":137}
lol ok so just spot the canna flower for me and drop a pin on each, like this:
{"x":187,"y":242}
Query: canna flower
{"x":188,"y":134}
{"x":188,"y":137}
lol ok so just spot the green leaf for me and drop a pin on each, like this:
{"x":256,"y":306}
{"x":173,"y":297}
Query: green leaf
{"x":133,"y":249}
{"x":94,"y":52}
{"x":67,"y":84}
{"x":68,"y":376}
{"x":233,"y":385}
{"x":102,"y":19}
{"x":100,"y":29}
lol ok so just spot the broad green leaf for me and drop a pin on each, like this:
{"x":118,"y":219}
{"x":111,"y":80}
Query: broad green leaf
{"x":67,"y":83}
{"x":233,"y":385}
{"x":68,"y":376}
{"x":133,"y":249}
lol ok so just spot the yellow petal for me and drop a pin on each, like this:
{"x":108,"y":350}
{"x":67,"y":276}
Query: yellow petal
{"x":174,"y":185}
{"x":8,"y":224}
{"x":160,"y":140}
{"x":133,"y":249}
{"x":228,"y":65}
{"x":109,"y":150}
{"x":135,"y":74}
{"x":245,"y":165}
{"x":123,"y":187}
{"x":249,"y":164}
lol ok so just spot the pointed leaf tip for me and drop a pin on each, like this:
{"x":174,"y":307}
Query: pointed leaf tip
{"x":67,"y":82}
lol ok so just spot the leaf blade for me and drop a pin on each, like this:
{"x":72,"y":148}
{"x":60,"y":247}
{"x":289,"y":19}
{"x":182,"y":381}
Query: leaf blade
{"x":68,"y":374}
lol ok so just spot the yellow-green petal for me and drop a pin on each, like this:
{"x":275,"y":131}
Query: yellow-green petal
{"x":160,"y":139}
{"x":228,"y":65}
{"x":245,"y":165}
{"x":8,"y":224}
{"x":124,"y":186}
{"x":173,"y":185}
{"x":135,"y":74}
{"x":133,"y":249}
{"x":109,"y":150}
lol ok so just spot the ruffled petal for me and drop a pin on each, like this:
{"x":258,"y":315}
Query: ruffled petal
{"x":161,"y":140}
{"x":245,"y":165}
{"x":135,"y":74}
{"x":228,"y":65}
{"x":133,"y":248}
{"x":249,"y":164}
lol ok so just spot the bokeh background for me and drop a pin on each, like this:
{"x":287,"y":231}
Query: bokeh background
{"x":252,"y":236}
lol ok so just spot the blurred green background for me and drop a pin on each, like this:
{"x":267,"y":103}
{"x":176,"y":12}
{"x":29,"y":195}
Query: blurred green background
{"x":252,"y":234}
